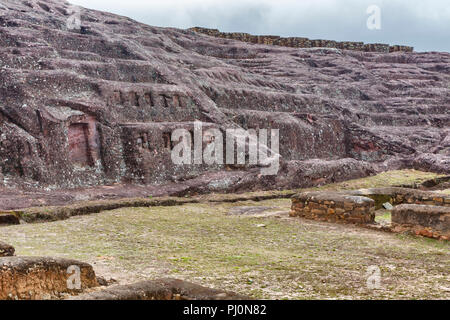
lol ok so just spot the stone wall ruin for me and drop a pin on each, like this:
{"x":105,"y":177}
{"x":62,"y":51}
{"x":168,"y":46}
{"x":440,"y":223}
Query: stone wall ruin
{"x":333,"y":207}
{"x":424,"y":220}
{"x":397,"y":196}
{"x":297,"y":42}
{"x":65,"y":95}
{"x":148,"y":148}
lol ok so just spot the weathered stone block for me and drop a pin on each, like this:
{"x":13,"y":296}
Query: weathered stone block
{"x":331,"y":206}
{"x":438,"y":199}
{"x":33,"y":278}
{"x":429,"y":221}
{"x":298,"y":42}
{"x":348,"y":206}
{"x":161,"y":289}
{"x":317,"y":211}
{"x":8,"y":218}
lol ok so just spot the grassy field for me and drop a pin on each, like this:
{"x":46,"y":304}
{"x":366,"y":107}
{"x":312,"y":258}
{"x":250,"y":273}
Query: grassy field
{"x":249,"y":247}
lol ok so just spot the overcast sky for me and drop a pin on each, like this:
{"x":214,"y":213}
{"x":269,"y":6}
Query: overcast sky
{"x":424,"y":24}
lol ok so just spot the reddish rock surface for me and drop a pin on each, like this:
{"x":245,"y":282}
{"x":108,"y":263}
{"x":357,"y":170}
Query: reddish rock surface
{"x":93,"y":106}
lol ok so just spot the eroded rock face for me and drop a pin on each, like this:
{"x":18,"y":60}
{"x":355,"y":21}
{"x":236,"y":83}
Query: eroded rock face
{"x":94,"y":104}
{"x":32,"y":278}
{"x":8,"y":219}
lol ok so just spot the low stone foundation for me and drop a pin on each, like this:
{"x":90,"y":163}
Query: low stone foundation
{"x":6,"y":250}
{"x":161,"y":289}
{"x":8,"y":218}
{"x":33,"y":278}
{"x":333,"y":207}
{"x":424,"y":220}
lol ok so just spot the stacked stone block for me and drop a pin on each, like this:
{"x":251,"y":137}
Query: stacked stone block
{"x":34,"y":278}
{"x":398,"y":196}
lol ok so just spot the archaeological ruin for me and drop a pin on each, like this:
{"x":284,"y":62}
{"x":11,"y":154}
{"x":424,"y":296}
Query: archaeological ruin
{"x":89,"y":187}
{"x":296,"y":42}
{"x":32,"y":278}
{"x":419,"y":212}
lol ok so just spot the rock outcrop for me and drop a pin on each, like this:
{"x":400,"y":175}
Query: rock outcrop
{"x":95,"y":103}
{"x":8,"y":219}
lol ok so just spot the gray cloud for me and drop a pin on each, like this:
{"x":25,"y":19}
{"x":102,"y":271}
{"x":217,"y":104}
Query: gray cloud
{"x":422,"y":24}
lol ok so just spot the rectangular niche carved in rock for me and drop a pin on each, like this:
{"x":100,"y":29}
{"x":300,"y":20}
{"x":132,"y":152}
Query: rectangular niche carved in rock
{"x":79,"y":151}
{"x":167,"y":141}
